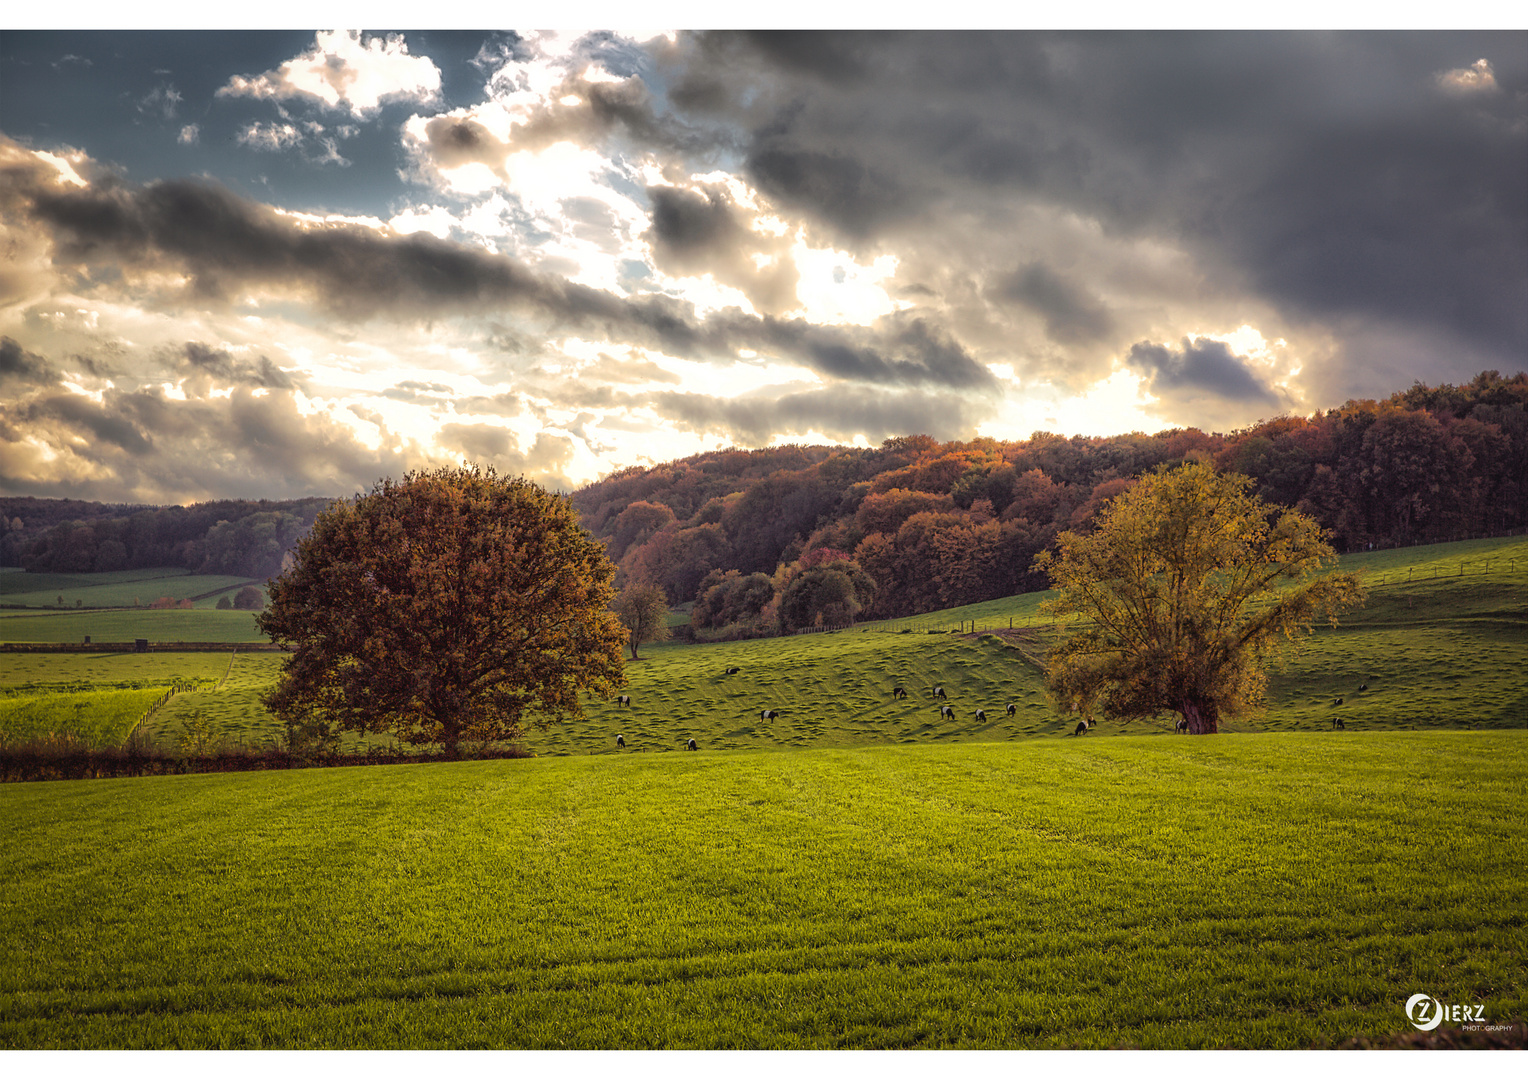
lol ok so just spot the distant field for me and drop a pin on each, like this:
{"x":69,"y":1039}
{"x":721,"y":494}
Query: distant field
{"x":127,"y":588}
{"x":199,"y":624}
{"x":1268,"y":892}
{"x":52,"y":671}
{"x":14,"y":580}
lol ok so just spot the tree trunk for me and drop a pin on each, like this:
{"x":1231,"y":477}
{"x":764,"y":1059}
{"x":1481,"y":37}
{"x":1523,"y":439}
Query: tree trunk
{"x":1202,"y":716}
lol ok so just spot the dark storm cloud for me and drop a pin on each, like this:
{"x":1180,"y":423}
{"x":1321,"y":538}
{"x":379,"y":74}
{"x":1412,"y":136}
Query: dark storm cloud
{"x":857,"y":197}
{"x":690,"y":227}
{"x":19,"y":366}
{"x":1333,"y":172}
{"x":897,"y":351}
{"x":1071,"y":314}
{"x":455,"y":141}
{"x":1205,"y":365}
{"x":839,"y":413}
{"x":219,"y":366}
{"x":700,"y":232}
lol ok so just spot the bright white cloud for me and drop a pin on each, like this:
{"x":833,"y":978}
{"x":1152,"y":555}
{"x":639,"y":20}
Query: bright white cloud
{"x":343,"y":71}
{"x":1478,"y":78}
{"x":270,"y":137}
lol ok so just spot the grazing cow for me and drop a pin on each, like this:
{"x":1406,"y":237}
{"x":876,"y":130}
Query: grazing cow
{"x":733,"y":670}
{"x":690,"y":745}
{"x":946,"y":713}
{"x":1012,"y":708}
{"x":1336,"y":703}
{"x":1338,"y":724}
{"x":1081,"y":728}
{"x":939,"y":693}
{"x":897,"y":693}
{"x":620,"y":740}
{"x":1181,"y":727}
{"x":1362,"y":688}
{"x":624,"y":699}
{"x":981,"y":716}
{"x":769,"y":714}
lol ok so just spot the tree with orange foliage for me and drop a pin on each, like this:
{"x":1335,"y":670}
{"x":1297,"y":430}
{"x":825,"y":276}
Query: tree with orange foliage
{"x":454,"y":605}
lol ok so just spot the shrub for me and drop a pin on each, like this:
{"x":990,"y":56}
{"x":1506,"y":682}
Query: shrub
{"x":249,"y":598}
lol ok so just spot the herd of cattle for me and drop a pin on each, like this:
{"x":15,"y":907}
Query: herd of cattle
{"x":898,"y":693}
{"x":946,"y":712}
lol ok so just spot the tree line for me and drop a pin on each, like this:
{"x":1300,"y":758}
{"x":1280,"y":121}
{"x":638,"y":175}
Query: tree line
{"x":238,"y":536}
{"x":770,"y":540}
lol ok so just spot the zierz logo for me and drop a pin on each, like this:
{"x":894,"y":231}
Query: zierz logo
{"x":1426,"y":1012}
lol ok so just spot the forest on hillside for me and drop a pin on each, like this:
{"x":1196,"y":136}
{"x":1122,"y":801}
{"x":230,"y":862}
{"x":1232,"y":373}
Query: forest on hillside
{"x":231,"y":536}
{"x":791,"y":536}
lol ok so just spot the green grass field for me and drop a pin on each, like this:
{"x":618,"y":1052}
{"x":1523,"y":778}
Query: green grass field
{"x":1270,"y":891}
{"x":93,"y":716}
{"x":95,"y":698}
{"x":199,"y":624}
{"x":124,"y":588}
{"x":1443,"y":651}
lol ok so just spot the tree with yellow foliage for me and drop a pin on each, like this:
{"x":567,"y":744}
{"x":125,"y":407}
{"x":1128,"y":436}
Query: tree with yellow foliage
{"x":1190,"y":585}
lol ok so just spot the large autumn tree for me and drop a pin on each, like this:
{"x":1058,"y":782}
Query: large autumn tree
{"x":1189,"y":583}
{"x":455,"y":604}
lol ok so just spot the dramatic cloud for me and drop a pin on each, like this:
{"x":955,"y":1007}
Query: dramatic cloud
{"x":1071,"y":315}
{"x":19,"y":366}
{"x":146,"y":447}
{"x":566,"y":253}
{"x":1204,"y":365}
{"x":835,"y":414}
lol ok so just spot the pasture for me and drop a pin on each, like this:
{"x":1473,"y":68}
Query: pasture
{"x":120,"y":589}
{"x":1444,"y":650}
{"x":198,"y":624}
{"x":1273,"y":891}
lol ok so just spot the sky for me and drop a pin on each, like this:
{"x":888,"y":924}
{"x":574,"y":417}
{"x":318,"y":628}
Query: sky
{"x":270,"y":264}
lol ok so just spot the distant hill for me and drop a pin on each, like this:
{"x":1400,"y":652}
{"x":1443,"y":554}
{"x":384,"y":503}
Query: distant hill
{"x":916,"y":525}
{"x":240,"y":537}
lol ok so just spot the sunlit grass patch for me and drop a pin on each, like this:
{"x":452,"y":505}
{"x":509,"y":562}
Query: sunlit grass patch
{"x":94,"y":717}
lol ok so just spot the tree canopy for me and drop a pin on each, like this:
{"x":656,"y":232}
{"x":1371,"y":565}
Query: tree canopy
{"x":453,"y":605}
{"x":1190,"y":583}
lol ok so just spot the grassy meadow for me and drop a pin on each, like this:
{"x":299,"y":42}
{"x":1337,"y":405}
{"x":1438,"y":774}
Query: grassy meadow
{"x":123,"y":588}
{"x":1271,"y":891}
{"x":854,"y":873}
{"x":197,"y":624}
{"x":1444,"y":650}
